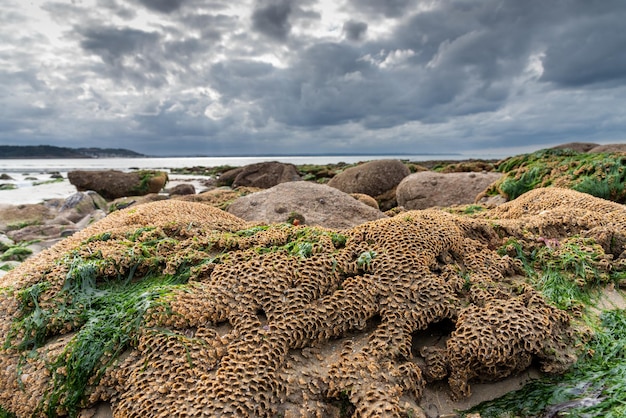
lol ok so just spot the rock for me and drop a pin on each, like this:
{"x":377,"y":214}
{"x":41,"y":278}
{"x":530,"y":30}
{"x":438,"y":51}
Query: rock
{"x":319,"y":204}
{"x":577,"y":146}
{"x":5,"y":242}
{"x":182,"y":189}
{"x":79,"y":205}
{"x":228,"y":177}
{"x":18,"y":216}
{"x":5,"y":176}
{"x":94,"y":216}
{"x":112,"y":184}
{"x":429,"y":189}
{"x":261,"y":175}
{"x":368,"y":200}
{"x":38,"y":232}
{"x":375,"y":178}
{"x":609,"y":148}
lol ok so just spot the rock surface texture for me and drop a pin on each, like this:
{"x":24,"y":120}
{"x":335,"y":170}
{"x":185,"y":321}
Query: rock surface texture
{"x":377,"y":179}
{"x":260,"y":175}
{"x":319,"y":205}
{"x":177,"y":308}
{"x":112,"y":184}
{"x":428,"y":189}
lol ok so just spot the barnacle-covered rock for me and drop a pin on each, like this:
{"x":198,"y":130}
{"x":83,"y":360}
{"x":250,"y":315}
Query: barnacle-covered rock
{"x":178,"y":308}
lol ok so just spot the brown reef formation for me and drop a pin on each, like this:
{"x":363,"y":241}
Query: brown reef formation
{"x":286,"y":320}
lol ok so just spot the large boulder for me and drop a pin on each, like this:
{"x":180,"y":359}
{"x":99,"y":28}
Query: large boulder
{"x":261,"y":175}
{"x":112,"y":184}
{"x":429,"y":189}
{"x":375,"y":178}
{"x":317,"y":204}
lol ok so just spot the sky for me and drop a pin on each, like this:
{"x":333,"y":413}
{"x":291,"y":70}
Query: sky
{"x":245,"y":77}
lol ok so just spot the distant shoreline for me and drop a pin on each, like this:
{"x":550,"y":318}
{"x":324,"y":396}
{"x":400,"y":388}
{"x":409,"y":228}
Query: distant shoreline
{"x":37,"y":152}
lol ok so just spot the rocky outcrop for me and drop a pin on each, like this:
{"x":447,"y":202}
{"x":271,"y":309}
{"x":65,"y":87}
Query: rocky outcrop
{"x":178,"y":308}
{"x":260,"y":175}
{"x":375,"y":178}
{"x":318,"y":204}
{"x":112,"y":184}
{"x":428,"y":189}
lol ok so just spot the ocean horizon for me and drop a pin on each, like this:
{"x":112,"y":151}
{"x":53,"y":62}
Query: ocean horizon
{"x":46,"y":165}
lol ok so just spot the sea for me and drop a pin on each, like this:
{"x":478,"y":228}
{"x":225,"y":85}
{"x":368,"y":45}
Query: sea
{"x":166,"y":163}
{"x":30,"y":180}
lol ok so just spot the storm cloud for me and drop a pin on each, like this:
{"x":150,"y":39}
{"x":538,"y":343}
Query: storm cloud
{"x":280,"y":76}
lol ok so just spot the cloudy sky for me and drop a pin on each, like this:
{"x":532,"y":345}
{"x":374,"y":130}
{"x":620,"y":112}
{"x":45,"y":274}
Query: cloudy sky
{"x":223,"y":77}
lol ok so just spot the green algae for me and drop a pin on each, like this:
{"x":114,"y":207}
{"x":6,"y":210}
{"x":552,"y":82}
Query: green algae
{"x":6,"y":414}
{"x":105,"y":316}
{"x":100,"y":307}
{"x":598,"y":174}
{"x":570,"y":274}
{"x":595,"y":386}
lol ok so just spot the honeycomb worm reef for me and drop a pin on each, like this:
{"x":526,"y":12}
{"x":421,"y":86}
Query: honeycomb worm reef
{"x":178,"y":308}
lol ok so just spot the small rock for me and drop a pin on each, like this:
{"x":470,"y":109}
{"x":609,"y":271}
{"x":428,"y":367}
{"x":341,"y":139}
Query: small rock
{"x":182,"y":189}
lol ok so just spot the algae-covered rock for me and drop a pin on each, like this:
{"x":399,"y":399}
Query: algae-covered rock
{"x":599,"y":174}
{"x":113,"y":184}
{"x":178,"y":308}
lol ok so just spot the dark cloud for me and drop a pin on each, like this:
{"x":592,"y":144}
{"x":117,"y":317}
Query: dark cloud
{"x":196,"y":73}
{"x":162,"y":6}
{"x":355,"y":31}
{"x":591,"y":52}
{"x":273,"y":19}
{"x":127,"y":53}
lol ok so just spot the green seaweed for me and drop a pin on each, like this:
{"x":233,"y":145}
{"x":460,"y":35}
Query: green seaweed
{"x":598,"y":174}
{"x":105,"y":314}
{"x":6,"y":414}
{"x":568,"y":274}
{"x":594,"y":387}
{"x":17,"y":252}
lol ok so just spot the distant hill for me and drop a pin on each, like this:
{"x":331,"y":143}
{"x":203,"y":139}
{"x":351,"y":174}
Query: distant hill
{"x":48,"y":151}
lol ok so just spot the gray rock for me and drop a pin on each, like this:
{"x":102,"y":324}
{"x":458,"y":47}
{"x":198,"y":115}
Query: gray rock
{"x":372,"y":178}
{"x":5,"y":242}
{"x":318,"y":204}
{"x":429,"y":189}
{"x":79,"y":205}
{"x":261,"y":175}
{"x":182,"y":189}
{"x":377,"y":179}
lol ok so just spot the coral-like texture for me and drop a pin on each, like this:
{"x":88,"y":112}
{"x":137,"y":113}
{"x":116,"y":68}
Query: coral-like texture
{"x":224,"y":318}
